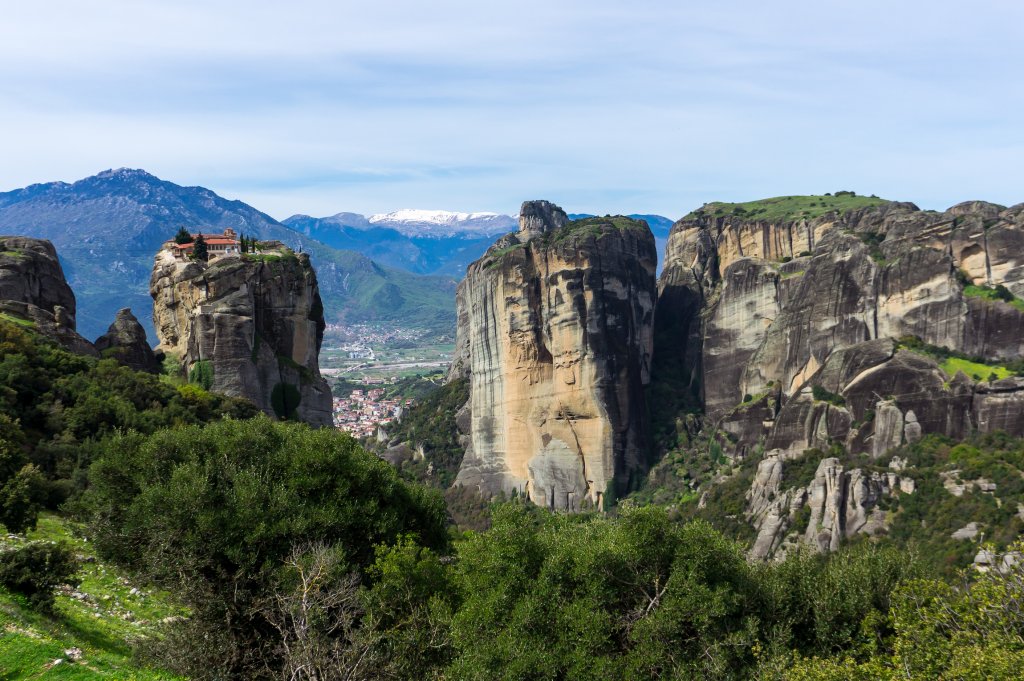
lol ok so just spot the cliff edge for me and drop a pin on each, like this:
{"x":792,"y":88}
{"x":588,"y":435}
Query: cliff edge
{"x":246,"y":325}
{"x":554,"y":333}
{"x":796,"y":327}
{"x":33,"y":291}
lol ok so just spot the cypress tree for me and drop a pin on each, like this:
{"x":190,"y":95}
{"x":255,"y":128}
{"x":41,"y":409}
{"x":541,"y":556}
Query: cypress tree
{"x":199,"y":250}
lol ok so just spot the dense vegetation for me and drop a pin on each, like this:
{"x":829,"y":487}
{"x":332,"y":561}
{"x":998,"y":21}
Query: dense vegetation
{"x":294,"y":553}
{"x":430,"y":423}
{"x":56,"y":407}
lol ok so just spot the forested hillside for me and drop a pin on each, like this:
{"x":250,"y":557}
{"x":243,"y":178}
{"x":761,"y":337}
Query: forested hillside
{"x":250,"y":549}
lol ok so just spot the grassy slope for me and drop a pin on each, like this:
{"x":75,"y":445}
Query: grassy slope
{"x":103,"y":622}
{"x":788,"y":207}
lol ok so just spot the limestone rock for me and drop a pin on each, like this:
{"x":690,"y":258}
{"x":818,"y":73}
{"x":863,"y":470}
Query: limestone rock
{"x":968,"y":531}
{"x":537,"y":218}
{"x":126,"y":342}
{"x":555,"y":336}
{"x":255,"y":323}
{"x":33,"y":288}
{"x":812,"y":311}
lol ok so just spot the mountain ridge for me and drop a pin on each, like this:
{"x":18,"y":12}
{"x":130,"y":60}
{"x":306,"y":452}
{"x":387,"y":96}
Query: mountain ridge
{"x":108,"y":227}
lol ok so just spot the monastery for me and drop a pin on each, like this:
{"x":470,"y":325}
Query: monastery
{"x":217,"y":245}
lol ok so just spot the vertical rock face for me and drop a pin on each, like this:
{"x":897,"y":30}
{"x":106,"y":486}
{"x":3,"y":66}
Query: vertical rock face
{"x":805,"y":333}
{"x":249,"y":326}
{"x":555,"y":329}
{"x":776,"y":308}
{"x":33,"y":289}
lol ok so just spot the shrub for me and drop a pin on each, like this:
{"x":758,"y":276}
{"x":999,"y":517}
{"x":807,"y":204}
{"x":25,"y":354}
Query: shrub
{"x":201,"y":374}
{"x":822,"y":394}
{"x":36,"y":569}
{"x":21,"y":499}
{"x":285,"y":398}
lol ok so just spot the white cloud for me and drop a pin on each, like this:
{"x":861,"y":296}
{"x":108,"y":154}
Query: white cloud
{"x":318,"y":107}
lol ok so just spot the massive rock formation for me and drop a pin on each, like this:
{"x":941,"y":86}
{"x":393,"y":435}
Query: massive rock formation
{"x":555,"y":335}
{"x":33,"y":289}
{"x":248,"y":326}
{"x":126,"y":342}
{"x":803,"y":332}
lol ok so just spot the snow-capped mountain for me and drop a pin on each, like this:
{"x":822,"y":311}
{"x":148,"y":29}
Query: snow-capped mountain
{"x":443,"y":223}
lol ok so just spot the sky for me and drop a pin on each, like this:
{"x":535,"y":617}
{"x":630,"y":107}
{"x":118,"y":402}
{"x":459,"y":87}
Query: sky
{"x":603,"y":107}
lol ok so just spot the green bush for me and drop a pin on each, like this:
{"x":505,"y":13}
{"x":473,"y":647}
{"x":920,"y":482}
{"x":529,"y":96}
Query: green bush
{"x":36,"y":569}
{"x":821,"y":394}
{"x":21,"y":499}
{"x":285,"y":399}
{"x":202,"y":374}
{"x":214,"y":514}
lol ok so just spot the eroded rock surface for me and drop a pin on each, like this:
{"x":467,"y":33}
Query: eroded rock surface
{"x":555,"y":335}
{"x":779,"y":308}
{"x":33,"y":289}
{"x":799,"y":335}
{"x":126,"y":342}
{"x":249,"y":325}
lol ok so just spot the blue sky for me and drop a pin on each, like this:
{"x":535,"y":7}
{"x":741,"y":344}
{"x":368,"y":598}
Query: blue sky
{"x":605,"y":107}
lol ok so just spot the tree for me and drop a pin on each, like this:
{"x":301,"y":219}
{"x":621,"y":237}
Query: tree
{"x":183,"y":236}
{"x":21,"y":500}
{"x":37,"y":569}
{"x":199,"y":250}
{"x":231,"y":515}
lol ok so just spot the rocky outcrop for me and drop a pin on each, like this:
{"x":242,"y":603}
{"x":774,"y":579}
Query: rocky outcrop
{"x":126,"y":342}
{"x":33,"y":289}
{"x":247,"y":326}
{"x":837,"y":504}
{"x":555,"y":336}
{"x":815,"y":313}
{"x":797,"y":335}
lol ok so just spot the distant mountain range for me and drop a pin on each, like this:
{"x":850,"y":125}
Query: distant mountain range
{"x":424,"y":242}
{"x":108,"y":227}
{"x":427,"y":241}
{"x":398,"y":267}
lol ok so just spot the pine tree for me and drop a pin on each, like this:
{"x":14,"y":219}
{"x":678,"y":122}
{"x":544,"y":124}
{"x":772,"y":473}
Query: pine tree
{"x":183,"y":236}
{"x":199,"y":250}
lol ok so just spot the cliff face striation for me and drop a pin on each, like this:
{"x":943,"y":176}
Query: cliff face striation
{"x":554,"y":334}
{"x":868,"y":328}
{"x":33,"y":290}
{"x":247,"y":326}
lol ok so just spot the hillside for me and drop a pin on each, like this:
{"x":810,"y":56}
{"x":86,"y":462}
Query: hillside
{"x":108,"y":227}
{"x":95,"y":625}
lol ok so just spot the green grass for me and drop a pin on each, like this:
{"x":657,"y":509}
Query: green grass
{"x":952,"y":361}
{"x":596,"y":226}
{"x":782,"y":208}
{"x":104,"y":623}
{"x":27,"y":323}
{"x":990,"y":293}
{"x":976,"y":370}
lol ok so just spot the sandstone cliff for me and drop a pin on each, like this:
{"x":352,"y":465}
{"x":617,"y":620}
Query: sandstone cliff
{"x":249,"y":326}
{"x":866,"y":328}
{"x":555,"y":335}
{"x":33,"y":289}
